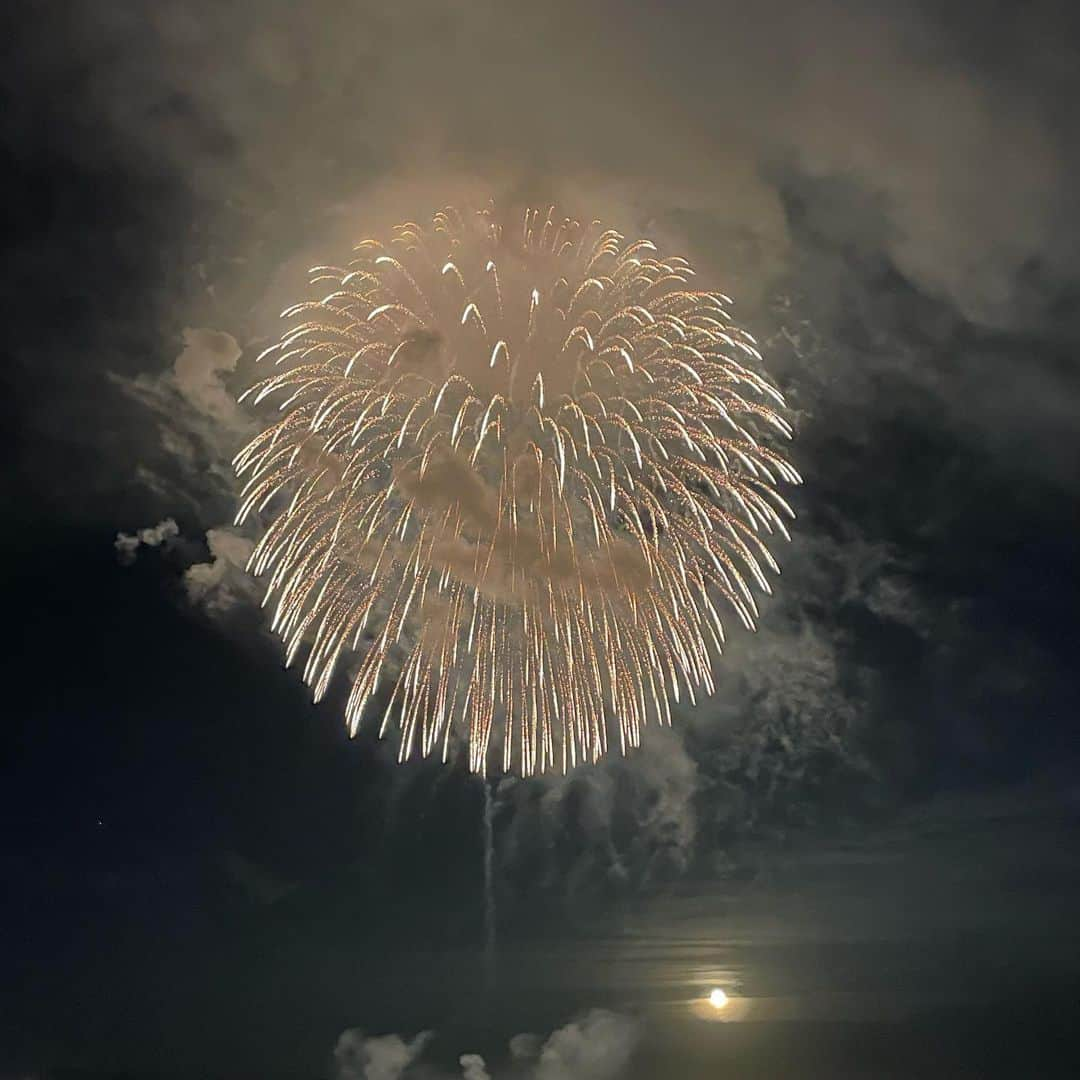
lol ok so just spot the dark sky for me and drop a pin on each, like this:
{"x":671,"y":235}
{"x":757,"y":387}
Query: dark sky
{"x":868,"y":836}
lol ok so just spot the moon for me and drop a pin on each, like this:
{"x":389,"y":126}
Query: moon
{"x":717,"y":998}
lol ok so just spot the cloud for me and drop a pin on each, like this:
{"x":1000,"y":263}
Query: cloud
{"x":255,"y":881}
{"x":951,"y":148}
{"x":785,"y":737}
{"x":525,"y":1046}
{"x":199,"y":424}
{"x":197,"y":374}
{"x":958,"y":126}
{"x":222,"y":582}
{"x":128,"y":544}
{"x":596,"y":1046}
{"x":382,"y":1057}
{"x":215,"y":586}
{"x":474,"y":1067}
{"x":786,"y":714}
{"x":968,"y":160}
{"x":869,"y":181}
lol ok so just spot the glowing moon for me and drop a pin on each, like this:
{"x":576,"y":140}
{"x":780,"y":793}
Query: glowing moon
{"x":718,"y":999}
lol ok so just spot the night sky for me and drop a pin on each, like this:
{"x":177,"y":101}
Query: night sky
{"x":868,"y":837}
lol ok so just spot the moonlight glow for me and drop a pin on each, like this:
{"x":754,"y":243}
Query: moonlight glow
{"x":718,"y":999}
{"x":518,"y":474}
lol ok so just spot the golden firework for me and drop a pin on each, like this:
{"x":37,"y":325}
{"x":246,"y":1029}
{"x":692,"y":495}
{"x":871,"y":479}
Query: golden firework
{"x":514,"y":475}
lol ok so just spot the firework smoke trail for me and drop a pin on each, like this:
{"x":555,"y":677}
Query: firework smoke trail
{"x":517,"y":472}
{"x":489,"y":885}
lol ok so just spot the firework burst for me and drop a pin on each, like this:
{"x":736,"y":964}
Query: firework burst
{"x":516,"y":474}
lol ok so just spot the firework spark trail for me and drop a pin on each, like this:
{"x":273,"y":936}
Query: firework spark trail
{"x":517,"y":472}
{"x":489,"y":885}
